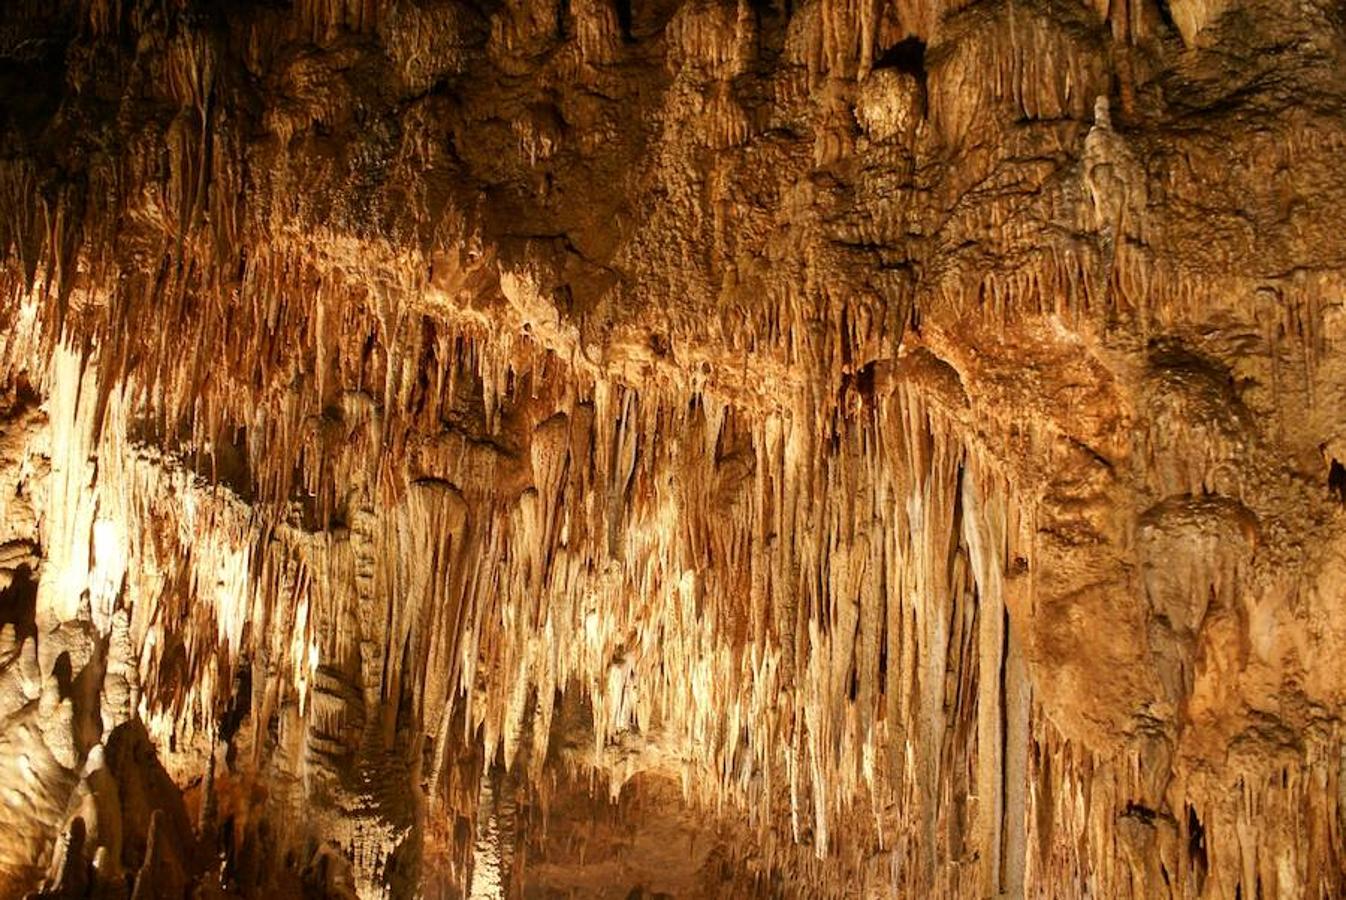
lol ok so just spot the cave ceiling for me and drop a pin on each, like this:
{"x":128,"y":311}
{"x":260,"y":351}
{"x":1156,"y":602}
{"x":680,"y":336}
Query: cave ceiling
{"x":672,"y":448}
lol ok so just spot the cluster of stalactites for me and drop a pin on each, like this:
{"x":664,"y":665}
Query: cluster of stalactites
{"x":761,"y":603}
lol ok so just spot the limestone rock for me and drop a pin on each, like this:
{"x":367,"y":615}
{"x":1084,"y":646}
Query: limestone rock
{"x":672,"y":448}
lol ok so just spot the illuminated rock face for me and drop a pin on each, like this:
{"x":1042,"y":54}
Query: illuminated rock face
{"x":672,"y":448}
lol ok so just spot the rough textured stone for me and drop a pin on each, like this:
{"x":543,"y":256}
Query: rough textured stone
{"x":672,"y":448}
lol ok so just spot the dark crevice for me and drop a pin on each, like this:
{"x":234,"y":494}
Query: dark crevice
{"x":624,"y":20}
{"x":1196,"y":847}
{"x":62,"y":671}
{"x":18,"y":604}
{"x":1140,"y":811}
{"x":1336,"y":481}
{"x":854,"y":688}
{"x":883,"y":648}
{"x":562,"y":18}
{"x":1003,"y":874}
{"x":240,"y":703}
{"x":907,"y":56}
{"x":1166,"y":15}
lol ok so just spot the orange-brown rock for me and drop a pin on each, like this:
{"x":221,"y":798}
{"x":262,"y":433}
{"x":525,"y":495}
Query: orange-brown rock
{"x":672,"y":448}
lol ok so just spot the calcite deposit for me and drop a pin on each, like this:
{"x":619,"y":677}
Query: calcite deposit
{"x":672,"y":448}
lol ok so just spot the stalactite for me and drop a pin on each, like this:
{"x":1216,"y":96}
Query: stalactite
{"x":867,"y":438}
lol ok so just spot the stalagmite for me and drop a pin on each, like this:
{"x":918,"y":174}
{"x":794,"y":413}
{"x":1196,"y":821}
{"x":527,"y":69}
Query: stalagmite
{"x":706,"y":448}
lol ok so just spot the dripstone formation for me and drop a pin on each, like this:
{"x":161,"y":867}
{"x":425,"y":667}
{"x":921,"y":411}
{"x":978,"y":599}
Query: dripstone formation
{"x":672,"y":448}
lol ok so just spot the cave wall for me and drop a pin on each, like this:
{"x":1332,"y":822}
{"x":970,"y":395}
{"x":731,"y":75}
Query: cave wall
{"x":672,"y":447}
